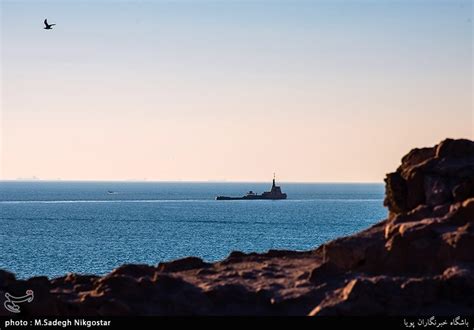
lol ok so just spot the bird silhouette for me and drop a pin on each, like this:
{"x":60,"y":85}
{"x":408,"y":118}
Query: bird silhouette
{"x":47,"y":26}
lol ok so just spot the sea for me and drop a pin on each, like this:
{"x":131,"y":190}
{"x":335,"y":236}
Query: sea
{"x":54,"y":228}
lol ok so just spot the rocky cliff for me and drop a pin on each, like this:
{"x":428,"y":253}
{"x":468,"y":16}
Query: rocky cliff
{"x":419,"y":261}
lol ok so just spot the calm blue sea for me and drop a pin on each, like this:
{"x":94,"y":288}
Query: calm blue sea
{"x":51,"y":228}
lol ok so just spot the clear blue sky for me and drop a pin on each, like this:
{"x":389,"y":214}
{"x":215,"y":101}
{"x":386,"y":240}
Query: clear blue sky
{"x":197,"y":90}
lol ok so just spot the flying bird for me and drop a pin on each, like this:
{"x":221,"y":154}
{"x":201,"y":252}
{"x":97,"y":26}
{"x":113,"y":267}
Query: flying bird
{"x":47,"y":26}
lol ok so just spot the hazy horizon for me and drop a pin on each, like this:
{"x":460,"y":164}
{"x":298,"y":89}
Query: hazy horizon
{"x":230,"y":91}
{"x":31,"y":180}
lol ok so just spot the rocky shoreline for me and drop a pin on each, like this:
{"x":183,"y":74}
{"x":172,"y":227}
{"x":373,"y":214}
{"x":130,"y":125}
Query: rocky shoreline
{"x":419,"y":261}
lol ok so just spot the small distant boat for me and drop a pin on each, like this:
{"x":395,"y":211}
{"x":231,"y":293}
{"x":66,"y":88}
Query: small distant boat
{"x":273,"y":194}
{"x":110,"y":192}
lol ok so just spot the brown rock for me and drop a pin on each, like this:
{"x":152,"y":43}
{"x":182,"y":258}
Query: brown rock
{"x":182,"y":264}
{"x":460,"y":148}
{"x":463,"y":191}
{"x":6,"y":278}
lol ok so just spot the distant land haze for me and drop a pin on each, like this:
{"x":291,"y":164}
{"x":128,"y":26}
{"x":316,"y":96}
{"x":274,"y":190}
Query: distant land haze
{"x":316,"y":91}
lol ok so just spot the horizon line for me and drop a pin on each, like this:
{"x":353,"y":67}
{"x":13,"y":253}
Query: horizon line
{"x":189,"y":181}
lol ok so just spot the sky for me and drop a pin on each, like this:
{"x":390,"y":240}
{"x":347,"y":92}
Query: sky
{"x":316,"y":91}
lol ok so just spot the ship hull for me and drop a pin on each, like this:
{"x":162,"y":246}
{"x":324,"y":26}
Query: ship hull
{"x":274,"y":194}
{"x":256,"y":197}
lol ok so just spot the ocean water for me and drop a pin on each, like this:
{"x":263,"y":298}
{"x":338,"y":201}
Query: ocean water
{"x":52,"y":228}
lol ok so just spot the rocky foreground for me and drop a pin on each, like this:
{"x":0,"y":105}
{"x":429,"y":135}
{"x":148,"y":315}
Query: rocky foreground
{"x":419,"y":261}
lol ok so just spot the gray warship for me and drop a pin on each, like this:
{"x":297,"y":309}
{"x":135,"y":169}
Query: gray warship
{"x":274,"y":194}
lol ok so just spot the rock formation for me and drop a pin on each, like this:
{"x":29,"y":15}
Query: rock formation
{"x":419,"y":261}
